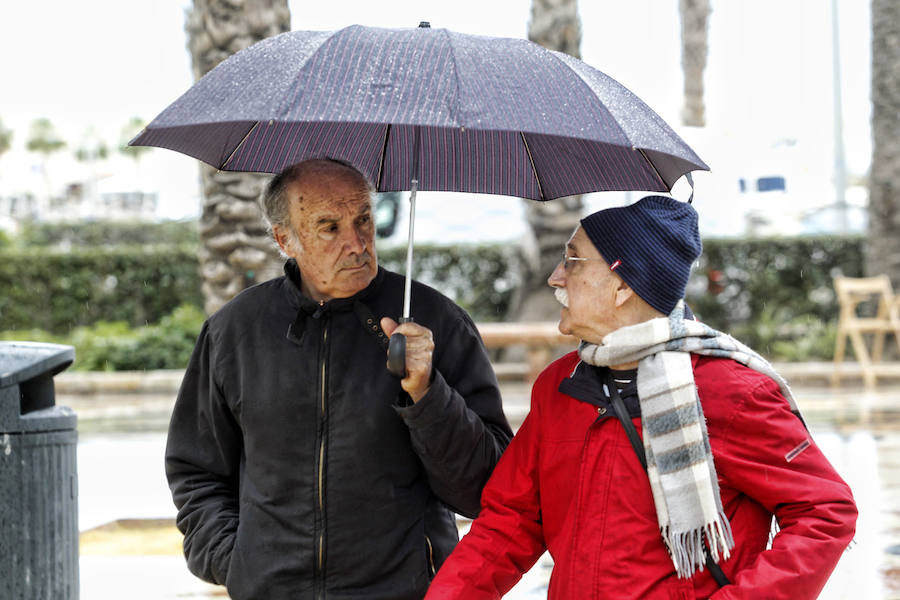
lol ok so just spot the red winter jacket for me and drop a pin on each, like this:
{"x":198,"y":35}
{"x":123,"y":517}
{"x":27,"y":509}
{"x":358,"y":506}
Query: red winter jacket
{"x":571,"y":483}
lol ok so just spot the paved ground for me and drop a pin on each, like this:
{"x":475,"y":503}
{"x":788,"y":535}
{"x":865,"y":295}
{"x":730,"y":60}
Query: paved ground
{"x":130,"y":548}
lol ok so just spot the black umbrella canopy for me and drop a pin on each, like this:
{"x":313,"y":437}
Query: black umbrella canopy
{"x":491,"y":115}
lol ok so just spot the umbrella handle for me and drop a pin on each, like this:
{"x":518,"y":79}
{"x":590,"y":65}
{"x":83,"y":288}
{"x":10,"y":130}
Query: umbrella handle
{"x":397,"y":352}
{"x":397,"y":344}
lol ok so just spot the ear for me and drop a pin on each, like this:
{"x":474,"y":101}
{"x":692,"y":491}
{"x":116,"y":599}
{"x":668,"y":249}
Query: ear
{"x":282,"y":238}
{"x":624,"y":293}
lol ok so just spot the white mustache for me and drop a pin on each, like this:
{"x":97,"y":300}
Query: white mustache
{"x":562,"y":296}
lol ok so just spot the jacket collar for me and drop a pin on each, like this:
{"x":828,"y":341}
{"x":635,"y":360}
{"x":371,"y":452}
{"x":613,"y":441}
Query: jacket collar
{"x":309,"y":308}
{"x":585,"y":383}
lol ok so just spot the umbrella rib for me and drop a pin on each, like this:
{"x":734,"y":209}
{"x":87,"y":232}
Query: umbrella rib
{"x":238,"y":147}
{"x":387,"y":134}
{"x":655,"y":170}
{"x":533,"y":168}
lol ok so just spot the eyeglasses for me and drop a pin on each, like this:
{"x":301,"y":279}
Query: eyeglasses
{"x":569,"y":261}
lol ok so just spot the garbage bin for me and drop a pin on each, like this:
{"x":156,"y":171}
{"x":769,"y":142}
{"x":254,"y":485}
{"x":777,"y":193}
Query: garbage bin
{"x":38,"y":478}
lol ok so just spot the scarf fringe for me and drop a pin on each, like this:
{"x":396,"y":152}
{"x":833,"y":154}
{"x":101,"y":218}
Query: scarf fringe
{"x":687,"y":549}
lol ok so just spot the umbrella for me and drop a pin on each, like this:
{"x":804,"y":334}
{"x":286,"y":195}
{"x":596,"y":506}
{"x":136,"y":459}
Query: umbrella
{"x":425,"y":109}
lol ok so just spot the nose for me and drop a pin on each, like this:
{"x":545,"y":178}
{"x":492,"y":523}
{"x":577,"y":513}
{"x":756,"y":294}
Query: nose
{"x":356,"y":242}
{"x":557,"y":278}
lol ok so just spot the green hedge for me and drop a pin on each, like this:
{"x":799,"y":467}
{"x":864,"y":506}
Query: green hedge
{"x":56,"y":290}
{"x":106,"y":234}
{"x":116,"y":346}
{"x":775,"y":294}
{"x":477,"y":277}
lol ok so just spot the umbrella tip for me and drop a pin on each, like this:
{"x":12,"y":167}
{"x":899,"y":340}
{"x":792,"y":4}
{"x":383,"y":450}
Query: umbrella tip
{"x":424,"y":24}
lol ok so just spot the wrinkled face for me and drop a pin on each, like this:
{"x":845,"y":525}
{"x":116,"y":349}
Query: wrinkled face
{"x":331,"y":234}
{"x":588,"y":290}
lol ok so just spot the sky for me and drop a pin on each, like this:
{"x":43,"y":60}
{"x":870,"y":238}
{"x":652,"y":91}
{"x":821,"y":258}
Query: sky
{"x":91,"y":65}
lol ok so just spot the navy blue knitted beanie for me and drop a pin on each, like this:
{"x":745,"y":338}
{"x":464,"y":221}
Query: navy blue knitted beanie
{"x":651,"y":244}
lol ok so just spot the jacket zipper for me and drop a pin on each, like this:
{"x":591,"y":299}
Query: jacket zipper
{"x":430,"y":556}
{"x":320,"y":474}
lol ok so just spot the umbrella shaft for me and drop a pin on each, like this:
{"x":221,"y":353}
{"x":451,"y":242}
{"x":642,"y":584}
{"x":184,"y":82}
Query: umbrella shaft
{"x":409,"y":248}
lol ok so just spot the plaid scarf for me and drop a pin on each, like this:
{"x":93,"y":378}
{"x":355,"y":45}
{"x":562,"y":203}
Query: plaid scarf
{"x":679,"y":460}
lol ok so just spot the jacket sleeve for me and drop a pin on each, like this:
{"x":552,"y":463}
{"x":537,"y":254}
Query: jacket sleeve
{"x":769,"y":456}
{"x":458,"y":428}
{"x":202,"y":463}
{"x":507,"y":537}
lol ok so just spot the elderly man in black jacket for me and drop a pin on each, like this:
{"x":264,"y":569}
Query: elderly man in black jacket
{"x":300,"y":467}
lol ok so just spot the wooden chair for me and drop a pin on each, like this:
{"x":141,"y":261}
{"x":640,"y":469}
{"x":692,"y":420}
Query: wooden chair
{"x":851,"y":292}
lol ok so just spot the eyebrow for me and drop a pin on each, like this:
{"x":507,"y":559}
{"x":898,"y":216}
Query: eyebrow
{"x":328,"y":219}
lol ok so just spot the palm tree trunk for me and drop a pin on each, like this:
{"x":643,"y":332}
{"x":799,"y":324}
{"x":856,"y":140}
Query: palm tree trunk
{"x":883,"y":241}
{"x":694,"y":48}
{"x":554,"y":25}
{"x":237,"y":250}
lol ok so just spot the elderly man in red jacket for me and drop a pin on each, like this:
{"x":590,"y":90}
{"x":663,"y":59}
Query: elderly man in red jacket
{"x":663,"y":459}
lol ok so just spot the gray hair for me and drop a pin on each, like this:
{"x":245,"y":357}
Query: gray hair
{"x":274,"y":200}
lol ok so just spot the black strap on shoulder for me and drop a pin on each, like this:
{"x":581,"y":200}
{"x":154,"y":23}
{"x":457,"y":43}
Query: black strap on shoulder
{"x":622,"y":414}
{"x":714,"y":569}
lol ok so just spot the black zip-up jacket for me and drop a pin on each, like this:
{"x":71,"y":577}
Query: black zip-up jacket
{"x":300,"y":468}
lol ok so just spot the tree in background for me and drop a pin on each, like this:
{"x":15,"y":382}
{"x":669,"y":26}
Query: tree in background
{"x":555,"y":25}
{"x":44,"y":140}
{"x":6,"y":136}
{"x":91,"y":150}
{"x":91,"y":147}
{"x":883,"y":241}
{"x":237,"y":250}
{"x":130,"y":129}
{"x":694,"y":49}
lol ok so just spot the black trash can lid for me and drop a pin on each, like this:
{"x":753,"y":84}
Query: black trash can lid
{"x":21,"y":361}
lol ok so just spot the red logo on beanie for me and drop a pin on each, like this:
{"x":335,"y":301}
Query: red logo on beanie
{"x":615,"y":265}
